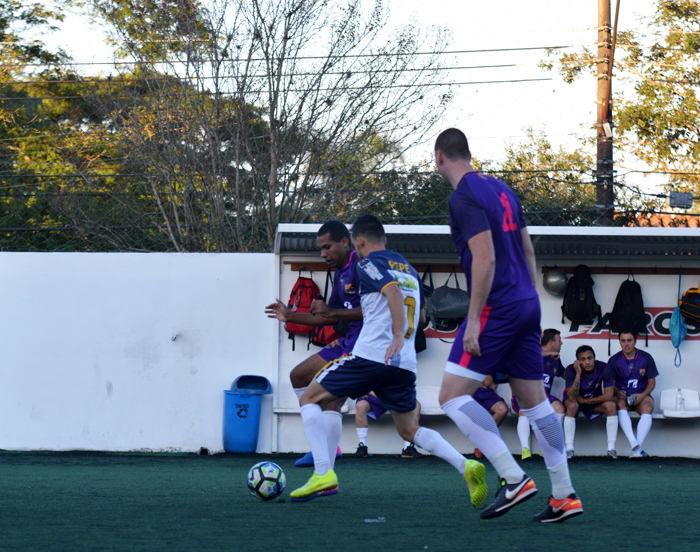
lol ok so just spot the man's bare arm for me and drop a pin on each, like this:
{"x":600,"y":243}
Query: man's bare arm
{"x":529,"y":254}
{"x":483,"y":270}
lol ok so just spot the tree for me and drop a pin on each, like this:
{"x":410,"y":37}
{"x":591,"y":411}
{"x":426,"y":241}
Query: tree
{"x":269,"y":110}
{"x":660,"y":123}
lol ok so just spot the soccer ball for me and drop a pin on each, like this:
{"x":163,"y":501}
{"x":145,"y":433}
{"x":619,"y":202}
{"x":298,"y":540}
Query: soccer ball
{"x":266,"y":480}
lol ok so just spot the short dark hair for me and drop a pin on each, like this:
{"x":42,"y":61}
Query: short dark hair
{"x":369,"y":227}
{"x":336,"y":229}
{"x":548,"y":335}
{"x":453,"y":143}
{"x":629,"y":331}
{"x":585,"y":349}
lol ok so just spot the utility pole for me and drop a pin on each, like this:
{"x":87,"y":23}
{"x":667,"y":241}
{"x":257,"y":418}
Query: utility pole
{"x":605,"y":194}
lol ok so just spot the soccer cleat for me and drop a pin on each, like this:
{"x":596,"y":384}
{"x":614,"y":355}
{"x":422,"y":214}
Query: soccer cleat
{"x":559,"y":510}
{"x":527,"y":455}
{"x":478,"y":453}
{"x":638,"y":454}
{"x":612,"y":454}
{"x":569,"y":454}
{"x":318,"y":485}
{"x":508,"y":496}
{"x":475,"y":476}
{"x":307,"y":460}
{"x":361,"y":451}
{"x":410,"y":452}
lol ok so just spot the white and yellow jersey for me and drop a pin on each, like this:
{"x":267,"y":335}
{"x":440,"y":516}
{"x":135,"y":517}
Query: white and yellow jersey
{"x":374,"y":273}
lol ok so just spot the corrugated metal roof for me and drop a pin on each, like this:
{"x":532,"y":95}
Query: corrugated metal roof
{"x":551,"y":243}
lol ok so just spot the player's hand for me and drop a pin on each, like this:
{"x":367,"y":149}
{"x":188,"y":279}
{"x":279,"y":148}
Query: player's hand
{"x":319,"y":307}
{"x":470,"y":341}
{"x":577,"y":367}
{"x":622,"y":394}
{"x":277,"y":310}
{"x":394,"y":348}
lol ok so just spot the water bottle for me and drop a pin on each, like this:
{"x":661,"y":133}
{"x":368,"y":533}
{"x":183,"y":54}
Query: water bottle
{"x":679,"y":400}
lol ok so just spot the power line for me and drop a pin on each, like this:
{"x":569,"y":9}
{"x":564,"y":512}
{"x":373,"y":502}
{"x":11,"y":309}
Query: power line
{"x":294,"y":58}
{"x":110,"y":80}
{"x":338,"y":89}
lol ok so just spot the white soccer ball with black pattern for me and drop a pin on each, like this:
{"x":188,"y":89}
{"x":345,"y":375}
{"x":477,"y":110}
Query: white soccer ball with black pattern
{"x":266,"y":480}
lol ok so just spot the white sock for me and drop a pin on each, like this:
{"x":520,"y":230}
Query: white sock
{"x":299,"y":391}
{"x":315,"y":429}
{"x":561,"y":416}
{"x":643,"y":428}
{"x":561,"y":481}
{"x":362,"y":435}
{"x":334,"y":428}
{"x":506,"y":467}
{"x":626,"y":426}
{"x":569,"y":432}
{"x":433,"y":442}
{"x":524,"y":432}
{"x":611,"y":429}
{"x":406,"y":444}
{"x":476,"y":423}
{"x":549,"y":433}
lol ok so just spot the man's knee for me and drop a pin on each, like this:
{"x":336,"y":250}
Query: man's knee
{"x":500,"y":411}
{"x":558,"y":407}
{"x":571,"y":408}
{"x":303,"y":373}
{"x":610,"y":408}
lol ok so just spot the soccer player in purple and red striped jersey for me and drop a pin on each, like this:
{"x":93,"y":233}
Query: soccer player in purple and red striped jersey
{"x":551,"y":349}
{"x":590,"y":386}
{"x":501,"y":332}
{"x":333,"y":239}
{"x":635,"y":378}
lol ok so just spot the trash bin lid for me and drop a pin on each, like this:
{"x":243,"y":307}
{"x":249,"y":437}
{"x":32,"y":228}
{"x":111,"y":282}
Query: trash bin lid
{"x":257,"y":385}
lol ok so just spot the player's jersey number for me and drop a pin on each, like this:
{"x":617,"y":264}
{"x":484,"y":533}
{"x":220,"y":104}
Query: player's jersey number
{"x":508,"y":221}
{"x":410,"y":303}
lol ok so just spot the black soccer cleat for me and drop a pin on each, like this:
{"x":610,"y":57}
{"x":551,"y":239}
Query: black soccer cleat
{"x":361,"y":451}
{"x":410,"y":452}
{"x":560,"y":510}
{"x":508,"y":496}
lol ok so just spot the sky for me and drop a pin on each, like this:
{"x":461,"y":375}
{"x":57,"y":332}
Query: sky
{"x":491,"y":115}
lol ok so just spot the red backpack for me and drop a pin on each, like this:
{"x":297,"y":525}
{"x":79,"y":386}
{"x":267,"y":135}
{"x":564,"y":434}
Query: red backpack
{"x":324,"y":335}
{"x":303,"y":293}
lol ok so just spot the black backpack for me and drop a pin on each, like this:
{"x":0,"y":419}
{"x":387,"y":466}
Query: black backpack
{"x":579,"y":302}
{"x":628,"y":311}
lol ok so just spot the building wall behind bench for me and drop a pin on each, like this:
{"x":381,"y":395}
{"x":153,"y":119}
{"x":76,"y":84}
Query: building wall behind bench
{"x":127,"y":351}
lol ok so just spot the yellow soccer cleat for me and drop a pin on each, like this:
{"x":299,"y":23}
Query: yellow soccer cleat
{"x":318,"y":485}
{"x":475,"y":476}
{"x":527,"y":455}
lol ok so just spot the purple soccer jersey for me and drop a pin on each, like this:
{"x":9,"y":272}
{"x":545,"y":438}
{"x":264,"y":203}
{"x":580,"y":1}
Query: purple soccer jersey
{"x":632,"y":375}
{"x":482,"y":203}
{"x":592,"y":385}
{"x":345,"y":296}
{"x":553,"y":368}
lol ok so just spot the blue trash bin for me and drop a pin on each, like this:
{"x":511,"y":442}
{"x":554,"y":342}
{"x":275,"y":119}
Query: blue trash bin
{"x":242,"y":406}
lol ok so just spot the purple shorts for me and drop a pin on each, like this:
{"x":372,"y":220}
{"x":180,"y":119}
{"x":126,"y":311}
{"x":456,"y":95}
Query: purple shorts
{"x":509,"y":343}
{"x":336,"y":349}
{"x":486,"y":397}
{"x":376,"y":409}
{"x":516,"y":406}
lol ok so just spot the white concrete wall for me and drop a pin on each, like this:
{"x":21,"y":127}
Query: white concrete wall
{"x":88,"y":358}
{"x":667,"y":437}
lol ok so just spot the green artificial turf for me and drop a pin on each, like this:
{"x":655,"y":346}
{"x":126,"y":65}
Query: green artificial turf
{"x":99,"y":501}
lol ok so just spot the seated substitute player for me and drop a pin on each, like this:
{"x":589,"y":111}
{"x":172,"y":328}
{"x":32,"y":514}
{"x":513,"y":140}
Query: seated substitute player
{"x":635,"y":375}
{"x":333,"y":239}
{"x":590,"y":387}
{"x":501,"y":332}
{"x":551,"y":349}
{"x":383,"y":360}
{"x":487,"y":397}
{"x":368,"y":407}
